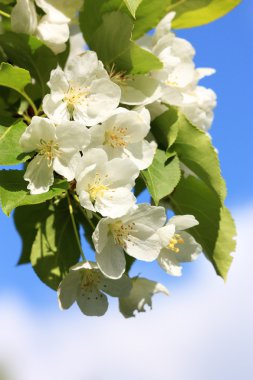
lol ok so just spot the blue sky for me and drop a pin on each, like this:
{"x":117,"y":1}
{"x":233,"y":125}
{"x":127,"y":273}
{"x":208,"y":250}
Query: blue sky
{"x":227,"y":46}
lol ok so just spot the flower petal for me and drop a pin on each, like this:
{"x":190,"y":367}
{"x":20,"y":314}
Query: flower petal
{"x":116,"y":288}
{"x":115,"y":203}
{"x":111,"y":260}
{"x":39,"y":175}
{"x":57,"y":111}
{"x":92,"y":302}
{"x":182,"y":222}
{"x":169,"y":262}
{"x":141,"y":153}
{"x":67,"y":290}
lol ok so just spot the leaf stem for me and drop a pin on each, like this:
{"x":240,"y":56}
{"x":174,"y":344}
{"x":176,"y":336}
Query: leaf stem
{"x":31,"y":103}
{"x":74,"y":227}
{"x":2,"y":13}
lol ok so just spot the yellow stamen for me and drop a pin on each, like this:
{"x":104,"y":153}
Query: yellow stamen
{"x":176,"y":239}
{"x":49,"y":149}
{"x":115,"y":137}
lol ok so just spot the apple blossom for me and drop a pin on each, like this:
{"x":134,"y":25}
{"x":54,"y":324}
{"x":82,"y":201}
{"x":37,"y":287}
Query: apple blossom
{"x":82,"y":92}
{"x":105,"y":186}
{"x":134,"y":233}
{"x":178,"y":245}
{"x":86,"y":285}
{"x":55,"y":147}
{"x":122,"y":135}
{"x":52,"y":28}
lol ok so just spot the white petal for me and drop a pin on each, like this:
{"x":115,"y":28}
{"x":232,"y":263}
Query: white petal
{"x":100,"y":235}
{"x":57,"y":111}
{"x":182,"y":222}
{"x":115,"y":203}
{"x":144,"y":245}
{"x":85,"y":68}
{"x":189,"y":250}
{"x":205,"y":72}
{"x":39,"y":129}
{"x":67,"y":290}
{"x":164,"y":26}
{"x":102,"y":100}
{"x":116,"y":288}
{"x":39,"y":175}
{"x":92,"y":302}
{"x":58,"y":84}
{"x":121,"y":173}
{"x":24,"y":17}
{"x":150,"y":216}
{"x":84,"y":199}
{"x":111,"y":260}
{"x":168,"y":261}
{"x":52,"y":33}
{"x":72,"y":136}
{"x":140,"y":296}
{"x":141,"y":153}
{"x":53,"y":14}
{"x":140,"y":90}
{"x":166,"y":233}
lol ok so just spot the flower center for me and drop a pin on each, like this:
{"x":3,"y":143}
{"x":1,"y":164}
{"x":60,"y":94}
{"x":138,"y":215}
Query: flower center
{"x":90,"y":279}
{"x":49,"y":149}
{"x":176,"y":239}
{"x":97,"y":187}
{"x":75,"y":95}
{"x":122,"y":232}
{"x":115,"y":137}
{"x":120,"y":78}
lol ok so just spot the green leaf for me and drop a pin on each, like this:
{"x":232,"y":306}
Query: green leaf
{"x":190,"y":13}
{"x":194,"y":148}
{"x":30,"y":53}
{"x":14,"y":77}
{"x":162,"y":176}
{"x":14,"y":193}
{"x":165,"y":128}
{"x":132,"y":5}
{"x":26,"y":219}
{"x":55,"y":248}
{"x":216,"y":229}
{"x":10,"y":150}
{"x":113,"y":44}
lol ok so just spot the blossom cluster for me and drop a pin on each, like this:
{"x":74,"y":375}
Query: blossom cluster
{"x":95,"y":133}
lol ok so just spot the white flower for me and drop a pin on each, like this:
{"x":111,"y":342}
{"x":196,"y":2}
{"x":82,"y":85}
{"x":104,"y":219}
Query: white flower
{"x":55,"y":147}
{"x":86,"y":285}
{"x":122,"y":135}
{"x":178,"y":245}
{"x":136,"y":89}
{"x":52,"y":28}
{"x":198,"y":107}
{"x":134,"y":233}
{"x":105,"y":186}
{"x":83,"y":91}
{"x":139,"y":296}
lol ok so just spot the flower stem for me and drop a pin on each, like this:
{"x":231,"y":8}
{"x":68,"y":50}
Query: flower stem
{"x":2,"y":13}
{"x":74,"y":228}
{"x":85,"y":214}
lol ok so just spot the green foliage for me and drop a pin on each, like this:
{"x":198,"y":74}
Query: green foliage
{"x":55,"y":248}
{"x":14,"y":77}
{"x":113,"y":44}
{"x":192,"y":13}
{"x":10,"y":151}
{"x":31,"y":54}
{"x":193,"y":147}
{"x":14,"y":193}
{"x":216,"y":229}
{"x":26,"y":219}
{"x":132,"y":5}
{"x":162,"y":176}
{"x":165,"y":128}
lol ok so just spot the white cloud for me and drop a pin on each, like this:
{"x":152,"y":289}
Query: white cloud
{"x":203,"y":331}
